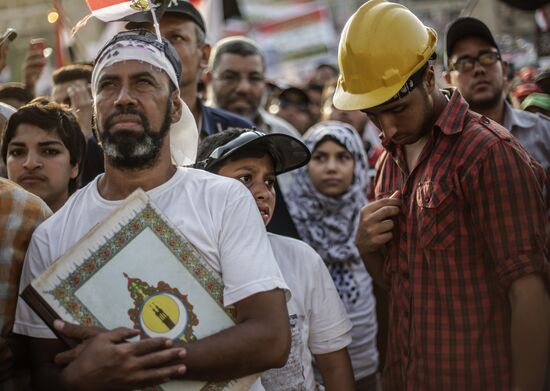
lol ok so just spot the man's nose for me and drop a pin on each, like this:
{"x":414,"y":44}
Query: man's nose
{"x":125,"y":97}
{"x":478,"y":68}
{"x":387,"y":126}
{"x":244,"y":84}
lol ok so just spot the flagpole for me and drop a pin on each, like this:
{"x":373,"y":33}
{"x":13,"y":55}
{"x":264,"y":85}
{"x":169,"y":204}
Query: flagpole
{"x":58,"y":27}
{"x":155,"y":21}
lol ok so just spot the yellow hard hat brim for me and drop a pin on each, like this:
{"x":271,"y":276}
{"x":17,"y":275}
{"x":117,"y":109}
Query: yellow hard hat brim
{"x":343,"y":100}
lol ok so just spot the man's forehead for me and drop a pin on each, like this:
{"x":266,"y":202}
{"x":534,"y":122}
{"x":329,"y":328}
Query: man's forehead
{"x":390,"y":105}
{"x":128,"y":68}
{"x":234,"y":61}
{"x":173,"y":17}
{"x":471,"y":45}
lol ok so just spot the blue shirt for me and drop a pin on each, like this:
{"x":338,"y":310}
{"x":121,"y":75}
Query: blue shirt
{"x":215,"y":120}
{"x":533,"y":133}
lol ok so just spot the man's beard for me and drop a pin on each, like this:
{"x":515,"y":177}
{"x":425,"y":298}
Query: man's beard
{"x":485,"y":104}
{"x":251,"y":114}
{"x":132,"y":150}
{"x":426,"y":125}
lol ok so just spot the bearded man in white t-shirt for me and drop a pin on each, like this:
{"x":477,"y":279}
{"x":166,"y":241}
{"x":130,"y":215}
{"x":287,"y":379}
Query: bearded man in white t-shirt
{"x":146,"y":132}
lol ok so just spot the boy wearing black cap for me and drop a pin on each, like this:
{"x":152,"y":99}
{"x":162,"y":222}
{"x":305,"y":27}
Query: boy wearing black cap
{"x":319,"y":323}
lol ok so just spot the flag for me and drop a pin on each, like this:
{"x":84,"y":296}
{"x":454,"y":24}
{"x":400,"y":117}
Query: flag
{"x":128,"y":10}
{"x":60,"y":36}
{"x":111,"y":10}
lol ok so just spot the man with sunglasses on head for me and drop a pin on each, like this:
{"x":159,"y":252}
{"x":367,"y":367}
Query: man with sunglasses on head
{"x":475,"y":66}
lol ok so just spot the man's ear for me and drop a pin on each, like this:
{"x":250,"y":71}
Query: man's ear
{"x":429,"y":79}
{"x":208,"y":77}
{"x":505,"y":69}
{"x":447,"y":77}
{"x":175,"y":115}
{"x":205,"y":55}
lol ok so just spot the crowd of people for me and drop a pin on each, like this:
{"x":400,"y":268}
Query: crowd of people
{"x":373,"y":229}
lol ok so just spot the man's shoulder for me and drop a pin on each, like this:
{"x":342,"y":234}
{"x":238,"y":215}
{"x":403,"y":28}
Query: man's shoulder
{"x":278,"y":125}
{"x":225,"y":119}
{"x":540,"y":129}
{"x":483,"y":139}
{"x":213,"y":184}
{"x":478,"y":135}
{"x":526,"y":119}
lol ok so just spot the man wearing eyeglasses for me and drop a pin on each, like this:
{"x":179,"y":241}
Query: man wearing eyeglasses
{"x":183,"y":26}
{"x":236,"y":73}
{"x":237,"y":76}
{"x":475,"y":66}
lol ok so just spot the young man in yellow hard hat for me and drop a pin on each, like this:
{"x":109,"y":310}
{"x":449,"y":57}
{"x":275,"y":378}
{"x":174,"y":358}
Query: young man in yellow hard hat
{"x":457,"y":232}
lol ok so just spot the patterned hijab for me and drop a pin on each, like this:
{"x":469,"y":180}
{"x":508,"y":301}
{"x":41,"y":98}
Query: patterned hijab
{"x":329,"y":224}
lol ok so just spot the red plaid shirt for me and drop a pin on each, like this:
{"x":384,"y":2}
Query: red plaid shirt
{"x":472,"y":222}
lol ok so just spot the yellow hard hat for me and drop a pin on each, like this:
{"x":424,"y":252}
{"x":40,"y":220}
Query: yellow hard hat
{"x":382,"y":45}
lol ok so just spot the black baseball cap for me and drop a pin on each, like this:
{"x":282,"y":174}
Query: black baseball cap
{"x":288,"y":152}
{"x":463,"y":28}
{"x":181,"y":7}
{"x":294,"y":96}
{"x":185,"y":8}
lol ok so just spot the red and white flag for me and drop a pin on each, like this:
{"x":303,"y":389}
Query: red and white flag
{"x":118,"y":10}
{"x":111,"y":10}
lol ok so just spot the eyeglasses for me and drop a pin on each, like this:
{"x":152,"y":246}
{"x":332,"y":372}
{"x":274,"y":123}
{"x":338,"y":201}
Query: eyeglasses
{"x":226,"y":149}
{"x":233,"y":79}
{"x":467,"y":63}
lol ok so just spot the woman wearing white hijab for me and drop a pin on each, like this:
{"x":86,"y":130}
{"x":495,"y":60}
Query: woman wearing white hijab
{"x":325,"y":200}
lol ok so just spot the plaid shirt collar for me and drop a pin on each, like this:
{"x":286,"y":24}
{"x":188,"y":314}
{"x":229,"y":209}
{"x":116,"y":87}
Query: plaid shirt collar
{"x":451,"y":119}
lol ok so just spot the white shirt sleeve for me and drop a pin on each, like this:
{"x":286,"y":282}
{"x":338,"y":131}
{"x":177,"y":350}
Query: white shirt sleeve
{"x":27,"y":322}
{"x":329,"y":329}
{"x":248,"y":265}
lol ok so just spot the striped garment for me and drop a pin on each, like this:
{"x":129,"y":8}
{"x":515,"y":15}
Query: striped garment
{"x":473,"y":221}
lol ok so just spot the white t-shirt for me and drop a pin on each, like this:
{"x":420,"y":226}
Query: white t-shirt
{"x":216,"y":214}
{"x":318,"y":319}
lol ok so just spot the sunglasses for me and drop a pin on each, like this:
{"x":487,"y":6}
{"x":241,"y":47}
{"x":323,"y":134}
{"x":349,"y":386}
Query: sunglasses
{"x":467,"y":63}
{"x":228,"y":148}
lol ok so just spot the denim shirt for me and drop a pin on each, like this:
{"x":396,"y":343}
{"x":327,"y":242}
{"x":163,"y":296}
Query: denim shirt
{"x":533,"y":133}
